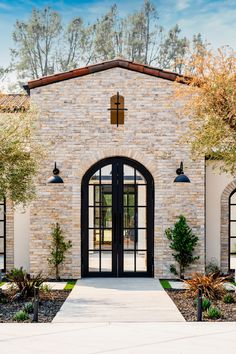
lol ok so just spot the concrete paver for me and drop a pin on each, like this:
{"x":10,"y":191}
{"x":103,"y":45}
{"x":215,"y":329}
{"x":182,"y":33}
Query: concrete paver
{"x":55,"y":285}
{"x":118,"y":300}
{"x":178,"y":285}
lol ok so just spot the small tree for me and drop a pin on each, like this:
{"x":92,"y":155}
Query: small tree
{"x":183,"y":242}
{"x":58,"y":248}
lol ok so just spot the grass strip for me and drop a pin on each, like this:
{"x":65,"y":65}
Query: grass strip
{"x":70,"y":284}
{"x":2,"y":283}
{"x":165,"y":284}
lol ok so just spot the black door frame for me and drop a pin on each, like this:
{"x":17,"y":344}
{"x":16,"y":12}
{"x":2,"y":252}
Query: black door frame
{"x":117,"y":163}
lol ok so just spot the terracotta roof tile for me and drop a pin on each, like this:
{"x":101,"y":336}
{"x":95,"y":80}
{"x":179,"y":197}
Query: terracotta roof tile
{"x":13,"y":103}
{"x":120,"y":63}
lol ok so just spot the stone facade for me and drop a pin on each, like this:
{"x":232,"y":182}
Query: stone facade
{"x":74,"y":127}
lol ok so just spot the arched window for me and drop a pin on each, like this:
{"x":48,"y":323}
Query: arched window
{"x":232,"y":230}
{"x":2,"y":235}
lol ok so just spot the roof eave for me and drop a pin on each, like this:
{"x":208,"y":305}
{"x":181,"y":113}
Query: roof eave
{"x":148,"y":70}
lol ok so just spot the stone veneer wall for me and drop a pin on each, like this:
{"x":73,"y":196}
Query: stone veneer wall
{"x":74,"y":127}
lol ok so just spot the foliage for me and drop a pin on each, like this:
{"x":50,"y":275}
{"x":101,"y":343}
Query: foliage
{"x":183,"y":242}
{"x":28,"y":307}
{"x":45,"y":288}
{"x":35,"y":42}
{"x":228,"y":299}
{"x":70,"y":284}
{"x":58,"y":248}
{"x":165,"y":284}
{"x":21,"y":316}
{"x":212,"y":267}
{"x":19,"y":156}
{"x":213,"y":313}
{"x":211,"y":102}
{"x":212,"y":286}
{"x":24,"y":282}
{"x":206,"y":303}
{"x":43,"y":45}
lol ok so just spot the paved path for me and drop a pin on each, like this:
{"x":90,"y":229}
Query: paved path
{"x":118,"y":338}
{"x":118,"y":300}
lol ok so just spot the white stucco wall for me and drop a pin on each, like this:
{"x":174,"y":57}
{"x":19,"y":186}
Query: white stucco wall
{"x":216,"y":182}
{"x":21,"y":237}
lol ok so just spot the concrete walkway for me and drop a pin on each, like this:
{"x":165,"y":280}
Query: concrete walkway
{"x":118,"y":300}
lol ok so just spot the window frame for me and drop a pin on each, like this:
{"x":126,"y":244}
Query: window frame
{"x":3,"y":203}
{"x":231,"y":237}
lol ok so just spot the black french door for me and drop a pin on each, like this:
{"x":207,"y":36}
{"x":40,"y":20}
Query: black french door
{"x":117,"y":219}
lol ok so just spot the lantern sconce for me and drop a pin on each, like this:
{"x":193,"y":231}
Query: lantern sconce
{"x":181,"y":177}
{"x":55,"y":178}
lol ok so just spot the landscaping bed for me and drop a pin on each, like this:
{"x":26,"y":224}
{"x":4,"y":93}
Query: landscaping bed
{"x":49,"y":304}
{"x":185,"y":303}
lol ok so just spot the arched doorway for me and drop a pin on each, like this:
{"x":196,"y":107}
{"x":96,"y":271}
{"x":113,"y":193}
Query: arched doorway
{"x":117,"y":219}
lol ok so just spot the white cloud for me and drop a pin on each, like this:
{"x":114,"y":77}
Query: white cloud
{"x":4,"y":6}
{"x":182,"y":4}
{"x":217,"y":27}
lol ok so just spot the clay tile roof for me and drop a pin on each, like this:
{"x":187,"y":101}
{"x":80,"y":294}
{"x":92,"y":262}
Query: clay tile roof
{"x":116,"y":63}
{"x":13,"y":103}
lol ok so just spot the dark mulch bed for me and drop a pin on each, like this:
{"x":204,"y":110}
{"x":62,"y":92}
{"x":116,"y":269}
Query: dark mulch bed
{"x":50,"y":303}
{"x":185,"y":304}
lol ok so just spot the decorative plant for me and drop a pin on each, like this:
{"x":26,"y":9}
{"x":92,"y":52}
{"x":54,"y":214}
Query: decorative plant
{"x":206,"y":303}
{"x":20,"y":316}
{"x":213,"y":313}
{"x":183,"y":243}
{"x":28,"y":307}
{"x":212,"y":286}
{"x":58,"y":248}
{"x":228,"y":299}
{"x":212,"y":267}
{"x":24,"y":282}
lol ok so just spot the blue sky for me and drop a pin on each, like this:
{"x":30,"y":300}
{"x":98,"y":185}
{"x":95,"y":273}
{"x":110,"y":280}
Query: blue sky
{"x":215,"y":19}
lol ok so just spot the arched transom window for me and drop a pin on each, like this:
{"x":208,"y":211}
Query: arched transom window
{"x":232,"y":230}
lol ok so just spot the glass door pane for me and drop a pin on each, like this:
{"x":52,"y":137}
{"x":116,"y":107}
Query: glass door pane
{"x":100,"y":220}
{"x":134,"y":221}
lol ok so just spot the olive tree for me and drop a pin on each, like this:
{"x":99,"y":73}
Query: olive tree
{"x":19,"y":155}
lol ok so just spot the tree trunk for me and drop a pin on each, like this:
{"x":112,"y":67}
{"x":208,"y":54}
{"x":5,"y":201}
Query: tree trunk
{"x":57,"y":272}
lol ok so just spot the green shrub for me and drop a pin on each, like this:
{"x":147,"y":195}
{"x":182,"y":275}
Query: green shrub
{"x":206,"y":303}
{"x":213,"y":313}
{"x":24,"y":282}
{"x":228,"y":299}
{"x":28,"y":307}
{"x":58,"y":248}
{"x":21,"y":316}
{"x":183,"y":243}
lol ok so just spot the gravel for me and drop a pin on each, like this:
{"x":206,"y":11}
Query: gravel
{"x":50,"y":303}
{"x":185,"y":304}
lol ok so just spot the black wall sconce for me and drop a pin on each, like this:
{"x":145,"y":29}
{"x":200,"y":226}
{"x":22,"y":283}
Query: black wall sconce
{"x":55,"y":178}
{"x":181,"y":178}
